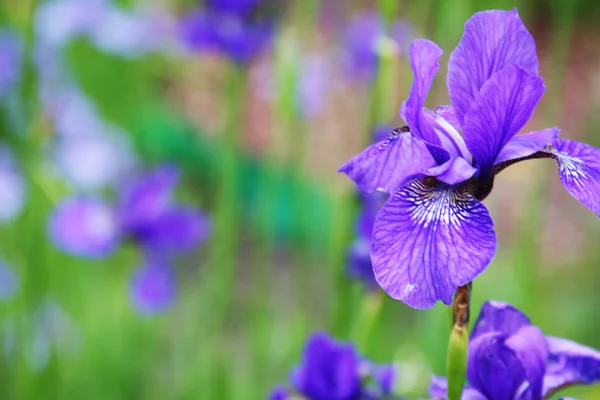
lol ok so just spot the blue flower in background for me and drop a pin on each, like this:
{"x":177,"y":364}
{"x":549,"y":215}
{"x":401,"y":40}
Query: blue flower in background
{"x":13,"y":190}
{"x":111,"y":28}
{"x":434,"y":233}
{"x":145,"y":213}
{"x":332,"y":370}
{"x":511,"y":359}
{"x":230,"y":28}
{"x":9,"y":281}
{"x":366,"y":39}
{"x":10,"y":60}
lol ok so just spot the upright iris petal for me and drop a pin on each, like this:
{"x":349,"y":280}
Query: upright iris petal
{"x":508,"y":358}
{"x":500,"y":109}
{"x":492,"y":40}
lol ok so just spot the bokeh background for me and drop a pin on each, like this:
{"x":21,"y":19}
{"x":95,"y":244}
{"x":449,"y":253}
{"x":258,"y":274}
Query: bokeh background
{"x":235,"y":120}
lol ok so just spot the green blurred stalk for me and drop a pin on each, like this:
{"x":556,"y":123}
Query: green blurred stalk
{"x":224,"y":245}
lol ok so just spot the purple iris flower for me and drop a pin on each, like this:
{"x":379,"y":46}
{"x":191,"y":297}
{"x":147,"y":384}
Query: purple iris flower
{"x":10,"y":60}
{"x":332,"y":370}
{"x":366,"y":38}
{"x":146,"y":213}
{"x":434,"y":233}
{"x":229,"y":28}
{"x":511,"y":359}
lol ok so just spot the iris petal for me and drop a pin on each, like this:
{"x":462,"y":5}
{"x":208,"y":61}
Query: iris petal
{"x":389,"y":164}
{"x":84,"y":227}
{"x":178,"y":229}
{"x":425,"y":62}
{"x":530,"y":346}
{"x":527,"y":144}
{"x":453,"y":171}
{"x":153,"y":287}
{"x":429,"y":238}
{"x":493,"y":368}
{"x":492,"y":40}
{"x":500,"y":109}
{"x":570,"y":363}
{"x":579,"y":170}
{"x":439,"y":388}
{"x":496,"y":316}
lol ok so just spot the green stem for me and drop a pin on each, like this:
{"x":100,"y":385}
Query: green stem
{"x":456,"y":367}
{"x":225,"y":239}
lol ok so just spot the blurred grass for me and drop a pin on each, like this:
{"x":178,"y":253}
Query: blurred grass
{"x":274,"y":270}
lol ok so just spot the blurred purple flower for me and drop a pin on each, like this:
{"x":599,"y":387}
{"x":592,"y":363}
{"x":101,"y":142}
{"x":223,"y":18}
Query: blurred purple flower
{"x":366,"y":39}
{"x":9,"y":281}
{"x":146,"y":213}
{"x":153,"y":286}
{"x":434,"y":234}
{"x":227,"y":28}
{"x":10,"y":60}
{"x":509,"y":358}
{"x":57,"y":22}
{"x":314,"y":83}
{"x":331,"y":370}
{"x":13,"y":191}
{"x":131,"y":33}
{"x":90,"y":161}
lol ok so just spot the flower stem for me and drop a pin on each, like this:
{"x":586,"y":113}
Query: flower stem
{"x":456,"y":366}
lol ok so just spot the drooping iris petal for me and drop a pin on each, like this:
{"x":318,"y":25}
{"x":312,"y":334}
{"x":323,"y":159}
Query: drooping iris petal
{"x":147,"y":198}
{"x":329,"y":370}
{"x":493,"y":368}
{"x":153,"y":286}
{"x":176,"y":230}
{"x":570,"y":363}
{"x":84,"y":227}
{"x":10,"y":60}
{"x":527,"y":144}
{"x":496,"y":316}
{"x":500,"y":109}
{"x":390,"y":163}
{"x":439,"y":388}
{"x":453,"y":171}
{"x":579,"y":171}
{"x":9,"y":281}
{"x":492,"y":40}
{"x":424,"y":61}
{"x":429,"y":238}
{"x":530,"y":346}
